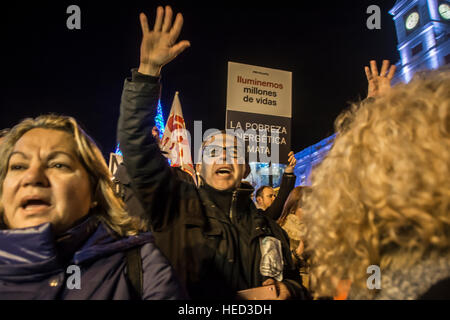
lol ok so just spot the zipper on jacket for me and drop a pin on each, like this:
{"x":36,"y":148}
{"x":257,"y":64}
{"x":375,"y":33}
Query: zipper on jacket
{"x":233,"y":203}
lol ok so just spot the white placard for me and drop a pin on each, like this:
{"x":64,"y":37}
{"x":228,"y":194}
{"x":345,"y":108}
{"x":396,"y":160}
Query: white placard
{"x":259,"y":90}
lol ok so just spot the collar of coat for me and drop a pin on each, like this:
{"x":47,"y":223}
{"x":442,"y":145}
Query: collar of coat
{"x":243,"y":205}
{"x":33,"y":253}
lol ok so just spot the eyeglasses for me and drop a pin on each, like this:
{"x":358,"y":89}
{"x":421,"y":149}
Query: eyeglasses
{"x":215,"y":151}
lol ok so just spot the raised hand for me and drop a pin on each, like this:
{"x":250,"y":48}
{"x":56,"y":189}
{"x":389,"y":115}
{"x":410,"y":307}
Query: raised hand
{"x":291,"y":163}
{"x":380,"y":83}
{"x":159,"y":45}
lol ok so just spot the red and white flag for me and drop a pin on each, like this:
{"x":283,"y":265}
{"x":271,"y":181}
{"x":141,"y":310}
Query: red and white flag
{"x":175,"y":142}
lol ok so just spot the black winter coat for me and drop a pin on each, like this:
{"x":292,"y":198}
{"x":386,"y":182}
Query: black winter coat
{"x":206,"y":246}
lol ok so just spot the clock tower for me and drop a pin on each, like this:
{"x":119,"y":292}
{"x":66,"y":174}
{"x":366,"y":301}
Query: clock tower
{"x":423,"y":34}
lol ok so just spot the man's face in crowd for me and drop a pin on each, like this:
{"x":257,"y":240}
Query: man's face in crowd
{"x":266,"y":199}
{"x":222,"y":165}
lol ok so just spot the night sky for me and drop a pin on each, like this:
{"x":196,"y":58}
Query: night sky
{"x":48,"y":68}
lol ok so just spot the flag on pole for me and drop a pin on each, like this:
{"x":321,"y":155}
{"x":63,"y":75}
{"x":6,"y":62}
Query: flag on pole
{"x":175,"y":142}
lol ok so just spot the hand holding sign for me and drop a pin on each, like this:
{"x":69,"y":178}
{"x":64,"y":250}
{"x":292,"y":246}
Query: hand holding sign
{"x":159,"y":45}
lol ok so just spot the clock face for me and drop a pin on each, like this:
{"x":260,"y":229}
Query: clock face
{"x":412,"y":20}
{"x":444,"y":10}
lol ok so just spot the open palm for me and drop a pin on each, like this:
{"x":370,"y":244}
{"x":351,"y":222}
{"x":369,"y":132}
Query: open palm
{"x":379,"y":84}
{"x":159,"y":45}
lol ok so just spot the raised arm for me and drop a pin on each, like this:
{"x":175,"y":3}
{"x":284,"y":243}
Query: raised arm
{"x":286,"y":186}
{"x":151,"y":177}
{"x":158,"y":46}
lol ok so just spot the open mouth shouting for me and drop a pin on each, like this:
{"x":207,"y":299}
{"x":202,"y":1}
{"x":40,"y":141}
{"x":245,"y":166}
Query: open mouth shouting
{"x":224,"y":171}
{"x":35,"y":204}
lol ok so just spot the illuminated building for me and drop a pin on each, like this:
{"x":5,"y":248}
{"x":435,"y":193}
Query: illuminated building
{"x":310,"y":157}
{"x":423,"y":33}
{"x":423,"y":29}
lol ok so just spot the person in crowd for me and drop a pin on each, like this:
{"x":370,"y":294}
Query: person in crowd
{"x":213,"y":234}
{"x":125,"y":192}
{"x":64,"y":234}
{"x":378,"y":215}
{"x":266,"y":200}
{"x":123,"y":184}
{"x":291,"y":221}
{"x":264,"y":197}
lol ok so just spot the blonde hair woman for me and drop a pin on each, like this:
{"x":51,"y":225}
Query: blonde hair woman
{"x":382,"y":197}
{"x":58,"y":210}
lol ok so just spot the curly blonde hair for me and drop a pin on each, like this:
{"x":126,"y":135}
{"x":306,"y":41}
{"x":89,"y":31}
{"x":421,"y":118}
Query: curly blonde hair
{"x":382,"y":195}
{"x":110,"y":208}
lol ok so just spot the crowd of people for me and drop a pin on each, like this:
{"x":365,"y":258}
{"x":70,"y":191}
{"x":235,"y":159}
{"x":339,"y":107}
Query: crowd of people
{"x":380,"y":200}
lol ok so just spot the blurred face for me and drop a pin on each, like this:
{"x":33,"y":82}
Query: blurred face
{"x":267,"y":198}
{"x":45,"y":182}
{"x":222,"y":164}
{"x":155,"y":134}
{"x":299,"y":212}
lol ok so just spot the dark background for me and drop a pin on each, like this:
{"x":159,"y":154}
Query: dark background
{"x":326,"y":44}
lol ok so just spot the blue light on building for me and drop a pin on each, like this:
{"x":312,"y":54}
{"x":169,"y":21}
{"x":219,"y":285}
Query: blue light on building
{"x":423,"y":43}
{"x":262,"y":174}
{"x":309,"y":157}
